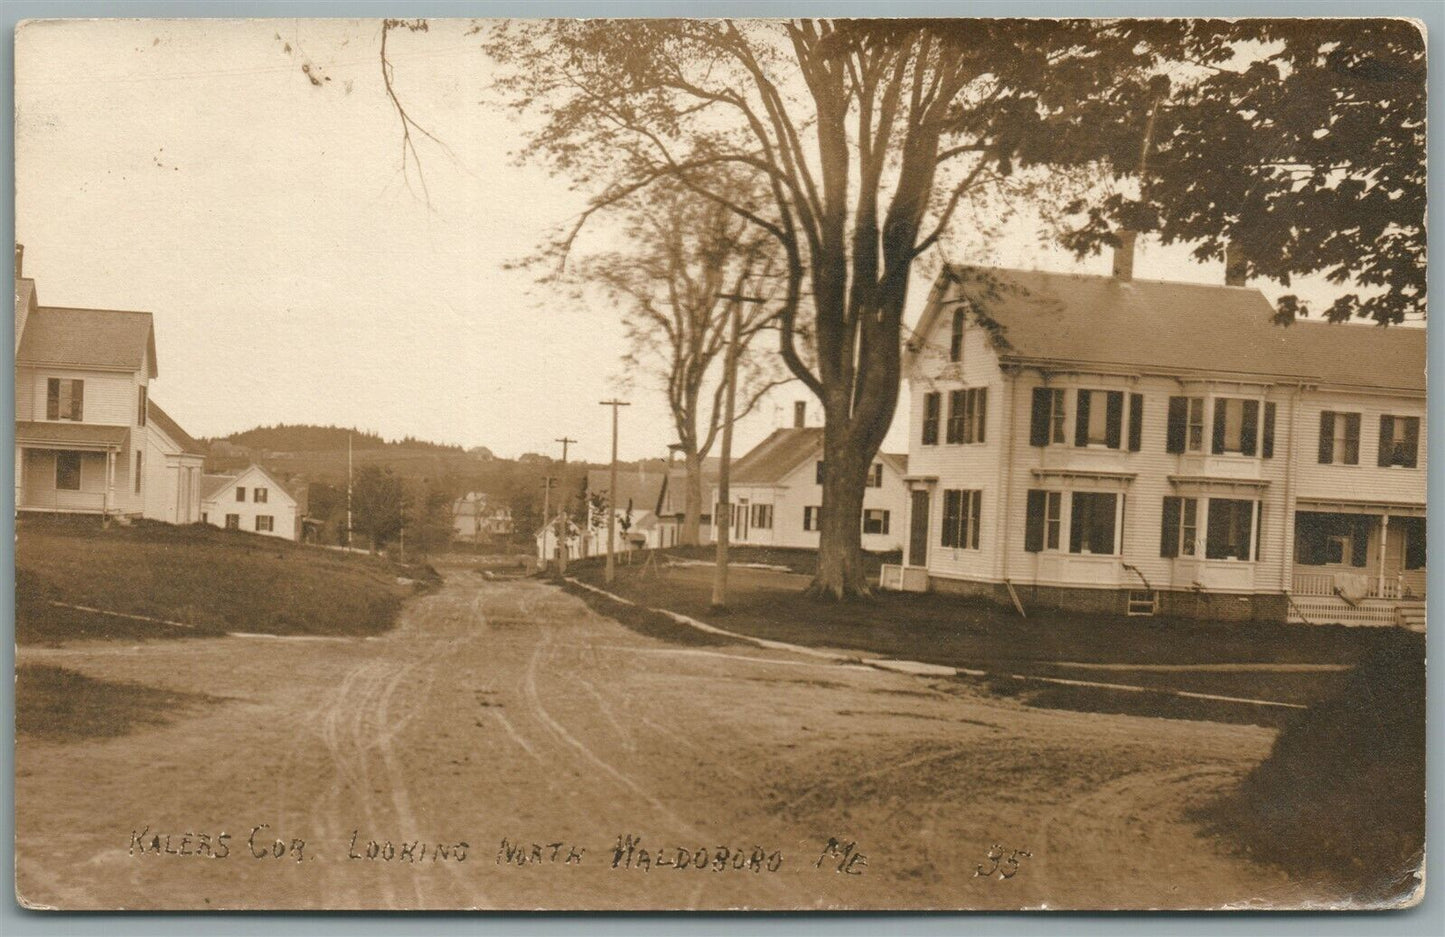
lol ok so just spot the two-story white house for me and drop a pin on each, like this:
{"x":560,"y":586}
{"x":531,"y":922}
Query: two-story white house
{"x":251,"y":500}
{"x":777,"y":494}
{"x":1118,"y":445}
{"x":88,"y":438}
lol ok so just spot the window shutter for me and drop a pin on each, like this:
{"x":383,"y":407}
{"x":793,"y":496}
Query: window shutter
{"x":1249,"y":428}
{"x":1352,"y":439}
{"x":52,"y":399}
{"x":1387,"y":439}
{"x":1034,"y":521}
{"x":820,"y":472}
{"x":1360,"y":541}
{"x":1081,"y":418}
{"x":975,"y":510}
{"x":1136,"y":422}
{"x":77,"y":400}
{"x":950,"y":517}
{"x":1412,"y":442}
{"x":1039,"y":417}
{"x":1114,"y":422}
{"x":955,"y":338}
{"x":1178,"y":418}
{"x":982,"y":414}
{"x":1220,"y":409}
{"x":1267,"y":444}
{"x":1169,"y":534}
{"x":1327,"y":437}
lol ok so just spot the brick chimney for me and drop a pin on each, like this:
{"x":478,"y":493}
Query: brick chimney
{"x":800,"y":414}
{"x":1234,"y":266}
{"x":1124,"y":256}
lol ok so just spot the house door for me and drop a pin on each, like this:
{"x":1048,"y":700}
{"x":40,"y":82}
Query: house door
{"x":918,"y":530}
{"x":740,"y":529}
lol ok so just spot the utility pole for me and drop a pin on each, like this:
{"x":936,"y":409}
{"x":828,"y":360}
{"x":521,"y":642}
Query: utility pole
{"x":562,"y":510}
{"x":546,"y":514}
{"x":723,"y":522}
{"x":348,"y":491}
{"x":612,"y":489}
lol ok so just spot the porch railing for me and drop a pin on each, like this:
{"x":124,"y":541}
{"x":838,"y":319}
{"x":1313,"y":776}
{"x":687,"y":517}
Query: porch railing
{"x":1323,"y":584}
{"x":52,"y":499}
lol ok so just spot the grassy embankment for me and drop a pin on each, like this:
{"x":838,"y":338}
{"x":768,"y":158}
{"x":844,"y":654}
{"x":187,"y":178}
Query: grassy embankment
{"x":213,"y":580}
{"x":1198,"y":656}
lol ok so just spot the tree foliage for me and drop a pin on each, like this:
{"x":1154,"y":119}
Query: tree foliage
{"x":1305,"y":148}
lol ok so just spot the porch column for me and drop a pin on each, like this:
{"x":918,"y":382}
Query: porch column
{"x":1384,"y":540}
{"x":109,"y":482}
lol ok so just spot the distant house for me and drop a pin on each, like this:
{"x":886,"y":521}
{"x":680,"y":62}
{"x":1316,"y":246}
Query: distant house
{"x":546,"y":540}
{"x":672,"y":502}
{"x":777,"y":493}
{"x":638,"y":497}
{"x":476,"y":519}
{"x":251,"y":500}
{"x":88,"y":438}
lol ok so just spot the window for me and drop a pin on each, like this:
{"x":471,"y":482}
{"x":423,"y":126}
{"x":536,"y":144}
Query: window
{"x":1046,"y":419}
{"x":67,"y":471}
{"x":1186,"y":425}
{"x":955,"y":338}
{"x":258,"y":495}
{"x":967,"y":411}
{"x":1043,"y":523}
{"x":233,"y":522}
{"x":140,"y":407}
{"x":961,"y":514}
{"x":931,"y":405}
{"x":1231,"y":529}
{"x":818,"y":473}
{"x":875,"y":521}
{"x":1339,"y":438}
{"x":1236,"y":425}
{"x":1413,"y":530}
{"x":763,"y":516}
{"x":1399,"y":440}
{"x":810,"y":517}
{"x":240,"y":493}
{"x":1053,"y":519}
{"x":65,"y":399}
{"x":1180,"y":533}
{"x":875,"y":475}
{"x":1099,"y":418}
{"x":1091,"y":522}
{"x":265,"y":523}
{"x":138,"y":463}
{"x":1323,"y":539}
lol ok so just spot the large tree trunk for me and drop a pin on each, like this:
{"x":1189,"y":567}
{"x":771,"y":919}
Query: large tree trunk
{"x":692,"y":502}
{"x":840,"y":572}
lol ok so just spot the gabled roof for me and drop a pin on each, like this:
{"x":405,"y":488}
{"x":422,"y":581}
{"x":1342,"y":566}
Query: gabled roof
{"x":1170,"y":327}
{"x":642,"y":487}
{"x":784,"y":450}
{"x":89,"y":338}
{"x":213,"y":485}
{"x":171,"y":428}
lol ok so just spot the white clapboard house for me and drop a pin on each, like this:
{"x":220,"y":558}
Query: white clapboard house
{"x":251,"y":500}
{"x":776,"y":492}
{"x":1117,"y":445}
{"x":88,"y":438}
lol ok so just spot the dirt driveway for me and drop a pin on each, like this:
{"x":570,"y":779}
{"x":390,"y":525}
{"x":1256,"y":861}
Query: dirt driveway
{"x":495,"y":750}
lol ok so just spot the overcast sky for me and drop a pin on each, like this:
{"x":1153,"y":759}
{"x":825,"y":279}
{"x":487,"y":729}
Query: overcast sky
{"x":193,"y":169}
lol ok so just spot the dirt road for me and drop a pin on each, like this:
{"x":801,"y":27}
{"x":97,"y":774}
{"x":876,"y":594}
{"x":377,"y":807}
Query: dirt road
{"x":496,"y":749}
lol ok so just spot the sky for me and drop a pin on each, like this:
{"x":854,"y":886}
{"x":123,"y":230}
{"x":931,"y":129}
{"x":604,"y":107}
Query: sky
{"x":244,"y":182}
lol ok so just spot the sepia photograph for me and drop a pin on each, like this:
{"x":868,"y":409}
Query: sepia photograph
{"x":720,"y":464}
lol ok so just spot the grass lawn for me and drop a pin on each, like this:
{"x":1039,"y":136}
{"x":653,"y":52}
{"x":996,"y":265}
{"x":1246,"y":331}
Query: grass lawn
{"x":214,"y":579}
{"x":978,"y":634}
{"x":59,"y":705}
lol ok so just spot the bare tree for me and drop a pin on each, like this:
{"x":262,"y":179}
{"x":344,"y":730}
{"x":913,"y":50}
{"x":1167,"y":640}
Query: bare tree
{"x":866,"y":134}
{"x":691,"y":265}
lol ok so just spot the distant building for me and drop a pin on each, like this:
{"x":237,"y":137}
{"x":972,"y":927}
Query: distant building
{"x":777,"y":493}
{"x":251,"y":500}
{"x":672,"y":501}
{"x":88,"y":438}
{"x":475,"y":519}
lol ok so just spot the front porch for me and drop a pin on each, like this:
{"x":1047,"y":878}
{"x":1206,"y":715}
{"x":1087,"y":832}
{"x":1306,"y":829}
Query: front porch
{"x":70,"y":468}
{"x":1357,"y":565}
